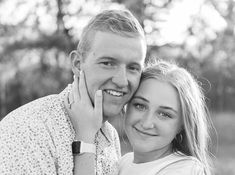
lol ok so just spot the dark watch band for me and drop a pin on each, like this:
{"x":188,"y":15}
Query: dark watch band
{"x":79,"y":147}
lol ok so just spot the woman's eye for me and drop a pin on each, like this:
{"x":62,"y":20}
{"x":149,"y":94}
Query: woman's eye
{"x":164,"y":115}
{"x":140,"y":107}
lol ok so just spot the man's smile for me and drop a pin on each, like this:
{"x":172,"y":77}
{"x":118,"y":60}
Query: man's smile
{"x":114,"y":93}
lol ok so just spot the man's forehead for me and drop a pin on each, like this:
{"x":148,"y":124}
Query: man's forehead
{"x":111,"y":45}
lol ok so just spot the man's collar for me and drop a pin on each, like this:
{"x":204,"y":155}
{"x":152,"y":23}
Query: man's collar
{"x":65,"y":92}
{"x":104,"y":130}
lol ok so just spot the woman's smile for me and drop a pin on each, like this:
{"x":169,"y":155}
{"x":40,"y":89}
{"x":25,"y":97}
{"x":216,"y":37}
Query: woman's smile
{"x":143,"y":133}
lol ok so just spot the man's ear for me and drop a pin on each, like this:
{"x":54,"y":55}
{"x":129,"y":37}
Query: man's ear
{"x":75,"y":59}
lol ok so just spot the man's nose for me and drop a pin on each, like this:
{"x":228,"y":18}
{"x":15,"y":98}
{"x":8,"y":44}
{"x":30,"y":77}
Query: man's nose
{"x":120,"y":78}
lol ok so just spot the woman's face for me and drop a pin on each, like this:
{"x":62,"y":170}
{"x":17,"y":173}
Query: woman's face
{"x":153,"y":118}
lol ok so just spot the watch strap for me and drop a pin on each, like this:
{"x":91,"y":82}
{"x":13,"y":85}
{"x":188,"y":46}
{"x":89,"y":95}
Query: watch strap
{"x":79,"y":147}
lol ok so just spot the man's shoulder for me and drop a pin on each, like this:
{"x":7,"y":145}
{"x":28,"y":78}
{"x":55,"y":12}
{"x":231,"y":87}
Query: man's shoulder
{"x":37,"y":106}
{"x":39,"y":128}
{"x":38,"y":109}
{"x":46,"y":114}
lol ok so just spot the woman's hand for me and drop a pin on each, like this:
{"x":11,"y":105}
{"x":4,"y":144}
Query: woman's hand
{"x":86,"y":119}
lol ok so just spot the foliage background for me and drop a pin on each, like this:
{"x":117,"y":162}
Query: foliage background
{"x":37,"y":36}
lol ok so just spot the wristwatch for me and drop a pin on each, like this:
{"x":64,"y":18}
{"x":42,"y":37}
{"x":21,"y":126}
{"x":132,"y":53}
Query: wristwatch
{"x":79,"y":147}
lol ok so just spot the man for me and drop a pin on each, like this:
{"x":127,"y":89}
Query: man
{"x":37,"y":137}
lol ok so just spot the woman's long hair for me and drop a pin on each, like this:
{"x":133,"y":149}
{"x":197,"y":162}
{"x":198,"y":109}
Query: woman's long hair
{"x":194,"y":137}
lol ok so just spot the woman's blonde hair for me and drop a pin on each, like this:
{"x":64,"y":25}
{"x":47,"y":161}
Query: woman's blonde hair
{"x":194,"y":137}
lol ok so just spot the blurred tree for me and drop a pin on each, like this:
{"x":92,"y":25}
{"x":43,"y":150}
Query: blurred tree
{"x":205,"y":47}
{"x":219,"y":62}
{"x":36,"y":57}
{"x":36,"y":37}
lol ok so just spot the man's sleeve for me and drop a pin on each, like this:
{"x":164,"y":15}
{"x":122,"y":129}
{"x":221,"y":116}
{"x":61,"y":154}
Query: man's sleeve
{"x":25,"y":147}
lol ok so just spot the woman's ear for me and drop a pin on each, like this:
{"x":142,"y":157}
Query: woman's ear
{"x":180,"y":130}
{"x":75,"y":59}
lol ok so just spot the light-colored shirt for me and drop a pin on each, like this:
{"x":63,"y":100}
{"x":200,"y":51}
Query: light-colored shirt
{"x":173,"y":164}
{"x":36,"y":139}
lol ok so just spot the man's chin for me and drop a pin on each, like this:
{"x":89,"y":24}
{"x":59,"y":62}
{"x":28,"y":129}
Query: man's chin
{"x":111,"y":113}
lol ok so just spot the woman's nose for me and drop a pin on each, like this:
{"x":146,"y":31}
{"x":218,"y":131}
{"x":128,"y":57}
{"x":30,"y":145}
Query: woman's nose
{"x":147,"y":122}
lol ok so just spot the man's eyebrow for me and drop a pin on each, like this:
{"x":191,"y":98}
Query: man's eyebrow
{"x":142,"y":98}
{"x":169,"y":108}
{"x":107,"y":58}
{"x":116,"y":60}
{"x":137,"y":64}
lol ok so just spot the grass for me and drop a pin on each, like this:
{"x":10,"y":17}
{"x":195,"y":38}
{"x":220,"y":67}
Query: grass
{"x":223,"y":143}
{"x":224,"y":150}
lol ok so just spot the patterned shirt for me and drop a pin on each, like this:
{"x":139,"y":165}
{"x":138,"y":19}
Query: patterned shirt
{"x":36,"y":139}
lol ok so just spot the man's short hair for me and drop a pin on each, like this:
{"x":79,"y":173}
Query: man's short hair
{"x":120,"y":22}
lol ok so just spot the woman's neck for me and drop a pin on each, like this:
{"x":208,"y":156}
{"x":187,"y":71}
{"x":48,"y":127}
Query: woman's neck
{"x":143,"y":157}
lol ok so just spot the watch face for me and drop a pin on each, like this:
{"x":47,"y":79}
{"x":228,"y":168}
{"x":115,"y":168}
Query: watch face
{"x":76,"y":147}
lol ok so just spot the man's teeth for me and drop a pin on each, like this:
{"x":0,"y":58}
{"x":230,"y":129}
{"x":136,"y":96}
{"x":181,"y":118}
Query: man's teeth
{"x":115,"y":93}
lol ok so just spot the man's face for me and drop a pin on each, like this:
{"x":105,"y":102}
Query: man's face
{"x":114,"y":65}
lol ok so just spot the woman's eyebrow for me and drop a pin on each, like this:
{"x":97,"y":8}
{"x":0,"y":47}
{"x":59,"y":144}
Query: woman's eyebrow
{"x":169,"y":108}
{"x":142,"y":98}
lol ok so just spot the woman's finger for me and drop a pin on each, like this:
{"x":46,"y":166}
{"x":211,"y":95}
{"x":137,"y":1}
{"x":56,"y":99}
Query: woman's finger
{"x":99,"y":104}
{"x":83,"y":89}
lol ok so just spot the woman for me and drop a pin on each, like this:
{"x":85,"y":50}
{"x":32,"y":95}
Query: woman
{"x":166,"y":124}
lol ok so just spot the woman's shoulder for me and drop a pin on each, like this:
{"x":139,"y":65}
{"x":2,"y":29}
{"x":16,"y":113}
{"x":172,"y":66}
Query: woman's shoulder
{"x":128,"y":156}
{"x":126,"y":159}
{"x":183,"y":165}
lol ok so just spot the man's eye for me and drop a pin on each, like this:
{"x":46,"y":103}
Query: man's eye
{"x":107,"y":63}
{"x":134,"y":68}
{"x":139,"y":106}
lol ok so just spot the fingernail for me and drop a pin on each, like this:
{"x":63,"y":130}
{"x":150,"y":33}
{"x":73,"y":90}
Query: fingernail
{"x":74,"y":77}
{"x":99,"y":93}
{"x":80,"y":72}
